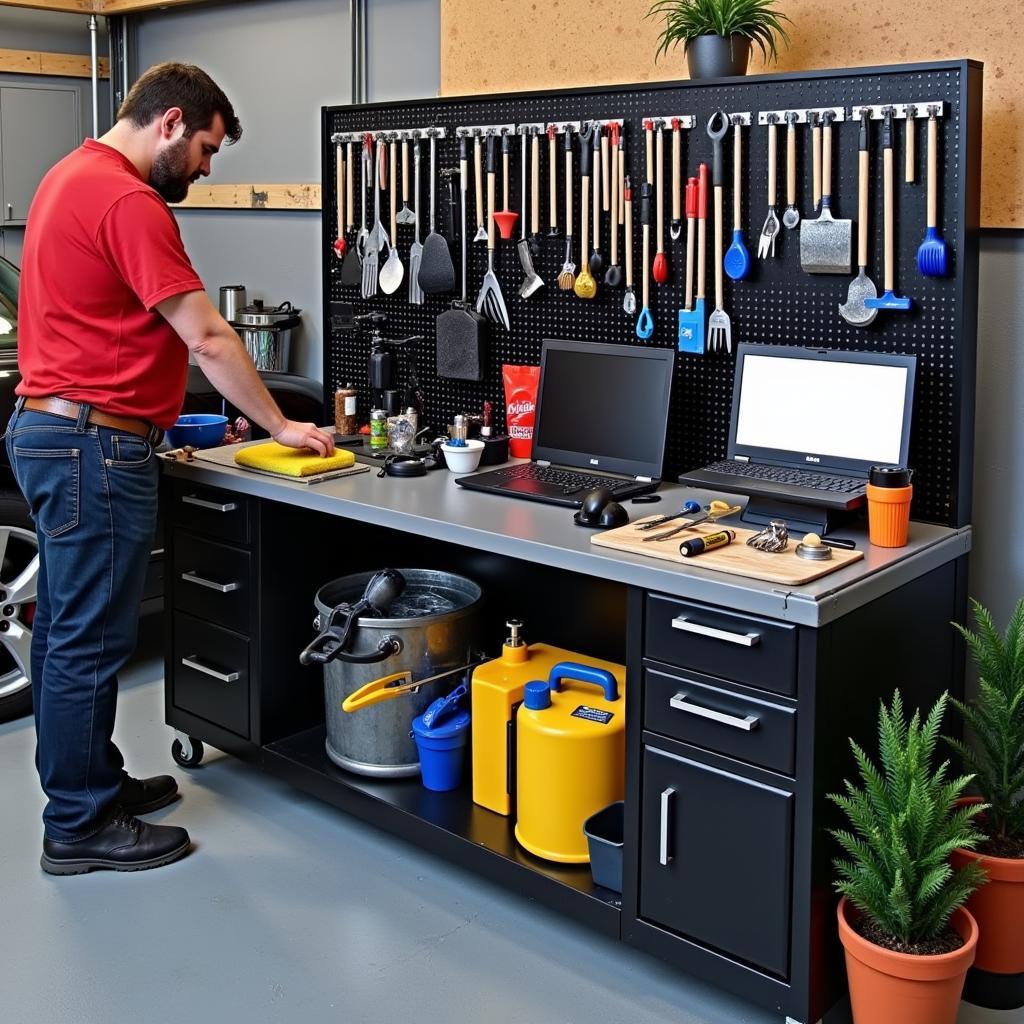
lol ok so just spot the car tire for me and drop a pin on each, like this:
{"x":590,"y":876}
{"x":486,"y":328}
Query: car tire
{"x":19,"y":574}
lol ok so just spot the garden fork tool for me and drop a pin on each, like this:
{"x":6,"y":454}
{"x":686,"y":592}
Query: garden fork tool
{"x":377,"y":237}
{"x":490,"y":301}
{"x":770,"y":230}
{"x":719,"y":325}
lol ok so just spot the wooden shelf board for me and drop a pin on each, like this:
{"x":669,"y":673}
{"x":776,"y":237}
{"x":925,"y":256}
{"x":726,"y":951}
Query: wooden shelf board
{"x":36,"y":62}
{"x":253,"y":197}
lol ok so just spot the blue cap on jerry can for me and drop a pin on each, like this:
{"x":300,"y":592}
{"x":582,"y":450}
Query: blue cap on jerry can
{"x":537,"y":695}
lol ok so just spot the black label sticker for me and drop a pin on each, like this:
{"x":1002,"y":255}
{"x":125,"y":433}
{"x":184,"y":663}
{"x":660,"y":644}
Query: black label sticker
{"x":593,"y":714}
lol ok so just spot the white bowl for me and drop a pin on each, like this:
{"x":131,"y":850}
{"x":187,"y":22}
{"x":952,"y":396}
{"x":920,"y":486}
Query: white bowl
{"x":463,"y":459}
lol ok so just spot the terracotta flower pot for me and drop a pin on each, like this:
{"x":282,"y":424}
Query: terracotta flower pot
{"x":998,"y":907}
{"x":889,"y":986}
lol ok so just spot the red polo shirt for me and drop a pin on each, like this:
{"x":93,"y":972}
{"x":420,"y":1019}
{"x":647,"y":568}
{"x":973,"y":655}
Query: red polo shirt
{"x":102,"y":248}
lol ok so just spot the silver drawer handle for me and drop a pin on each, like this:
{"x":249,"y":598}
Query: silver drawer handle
{"x":664,"y":857}
{"x":213,"y":506}
{"x":743,"y":639}
{"x":225,"y":677}
{"x":747,"y":724}
{"x":221,"y":588}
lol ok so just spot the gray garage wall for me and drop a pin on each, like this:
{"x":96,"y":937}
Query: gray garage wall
{"x":280,"y":61}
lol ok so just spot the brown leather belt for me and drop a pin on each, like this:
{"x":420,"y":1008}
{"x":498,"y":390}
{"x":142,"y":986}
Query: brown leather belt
{"x":72,"y":410}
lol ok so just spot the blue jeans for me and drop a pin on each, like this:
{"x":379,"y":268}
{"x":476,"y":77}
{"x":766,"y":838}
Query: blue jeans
{"x":92,"y":492}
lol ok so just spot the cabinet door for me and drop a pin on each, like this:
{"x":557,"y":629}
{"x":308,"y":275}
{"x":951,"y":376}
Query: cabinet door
{"x":38,"y":126}
{"x":715,"y":859}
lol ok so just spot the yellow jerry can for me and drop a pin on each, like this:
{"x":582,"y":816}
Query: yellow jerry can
{"x":570,"y":757}
{"x":495,"y":692}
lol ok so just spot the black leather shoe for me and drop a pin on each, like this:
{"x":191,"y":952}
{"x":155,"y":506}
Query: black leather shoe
{"x":140,"y":796}
{"x":123,"y":844}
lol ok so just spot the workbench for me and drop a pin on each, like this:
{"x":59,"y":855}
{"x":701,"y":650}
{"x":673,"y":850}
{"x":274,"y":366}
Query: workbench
{"x":727,"y":861}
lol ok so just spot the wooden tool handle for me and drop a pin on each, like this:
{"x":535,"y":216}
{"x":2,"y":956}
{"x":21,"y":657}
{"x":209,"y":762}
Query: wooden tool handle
{"x":478,"y":175}
{"x":647,"y":263}
{"x":535,"y":185}
{"x":659,"y":188}
{"x":350,"y":189}
{"x":597,"y":211}
{"x":689,"y":263}
{"x":584,"y":233}
{"x":490,"y":209}
{"x":504,"y":180}
{"x":553,"y":181}
{"x":773,"y":163}
{"x":394,"y":191}
{"x":719,"y":295}
{"x":614,"y":196}
{"x":649,"y":166}
{"x":889,"y":271}
{"x":737,"y":174}
{"x":405,"y":172}
{"x":816,"y":162}
{"x":339,"y":158}
{"x":909,"y":139}
{"x":702,"y":260}
{"x":622,"y":185}
{"x":627,"y":205}
{"x":791,"y":165}
{"x":605,"y":175}
{"x":568,"y":192}
{"x":826,"y":160}
{"x":677,"y":187}
{"x":933,"y":161}
{"x":862,"y":209}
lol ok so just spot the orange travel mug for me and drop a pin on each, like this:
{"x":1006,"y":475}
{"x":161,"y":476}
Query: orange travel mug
{"x":889,"y":493}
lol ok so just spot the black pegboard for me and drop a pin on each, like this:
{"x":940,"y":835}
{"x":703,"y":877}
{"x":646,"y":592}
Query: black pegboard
{"x":777,"y":303}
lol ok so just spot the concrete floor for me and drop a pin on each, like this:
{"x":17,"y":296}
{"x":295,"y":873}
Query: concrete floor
{"x":288,"y":911}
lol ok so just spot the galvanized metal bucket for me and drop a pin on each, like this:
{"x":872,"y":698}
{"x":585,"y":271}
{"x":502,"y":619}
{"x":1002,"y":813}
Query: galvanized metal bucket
{"x":430,"y":630}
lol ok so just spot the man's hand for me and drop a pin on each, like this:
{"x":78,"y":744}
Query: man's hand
{"x":305,"y":435}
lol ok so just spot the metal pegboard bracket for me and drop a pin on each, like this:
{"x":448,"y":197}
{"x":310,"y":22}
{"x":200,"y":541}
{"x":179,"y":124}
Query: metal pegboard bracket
{"x":388,"y":133}
{"x":742,"y":117}
{"x":561,"y":127}
{"x":471,"y":131}
{"x":665,"y":120}
{"x":802,"y":116}
{"x":531,"y":128}
{"x":900,"y":111}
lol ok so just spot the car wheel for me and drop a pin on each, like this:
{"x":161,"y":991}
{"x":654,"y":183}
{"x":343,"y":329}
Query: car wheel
{"x":19,"y":575}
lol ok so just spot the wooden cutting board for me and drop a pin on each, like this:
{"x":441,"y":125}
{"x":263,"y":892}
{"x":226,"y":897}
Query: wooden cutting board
{"x":735,"y":558}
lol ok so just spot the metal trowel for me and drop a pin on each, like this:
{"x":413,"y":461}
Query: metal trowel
{"x":854,"y":311}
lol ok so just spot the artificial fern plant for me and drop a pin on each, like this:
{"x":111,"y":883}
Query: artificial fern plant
{"x":757,"y":20}
{"x":904,"y":826}
{"x":996,"y":717}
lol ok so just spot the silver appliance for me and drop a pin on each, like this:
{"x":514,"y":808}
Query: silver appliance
{"x":266,"y":332}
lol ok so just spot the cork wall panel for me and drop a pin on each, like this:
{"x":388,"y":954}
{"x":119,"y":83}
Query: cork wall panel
{"x":517,"y":45}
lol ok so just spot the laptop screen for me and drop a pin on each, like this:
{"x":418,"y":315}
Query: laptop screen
{"x":809,"y":407}
{"x":603,"y":406}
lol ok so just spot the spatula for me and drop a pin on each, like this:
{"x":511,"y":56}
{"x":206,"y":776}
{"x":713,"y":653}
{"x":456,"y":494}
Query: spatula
{"x":437,"y":272}
{"x":931,"y":254}
{"x":416,"y":295}
{"x":854,"y":311}
{"x":531,"y":279}
{"x":352,"y":267}
{"x":490,"y":301}
{"x":826,"y":243}
{"x":392,"y":272}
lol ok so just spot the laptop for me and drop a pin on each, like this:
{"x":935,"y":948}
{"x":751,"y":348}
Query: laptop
{"x":808,"y":424}
{"x":601,"y":420}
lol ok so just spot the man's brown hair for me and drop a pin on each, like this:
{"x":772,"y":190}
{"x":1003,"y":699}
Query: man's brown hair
{"x":180,"y":85}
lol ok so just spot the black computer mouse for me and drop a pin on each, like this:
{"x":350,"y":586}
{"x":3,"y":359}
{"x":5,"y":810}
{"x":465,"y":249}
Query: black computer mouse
{"x":598,"y":510}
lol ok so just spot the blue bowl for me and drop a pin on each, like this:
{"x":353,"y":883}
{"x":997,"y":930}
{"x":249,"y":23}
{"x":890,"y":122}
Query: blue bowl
{"x":199,"y":429}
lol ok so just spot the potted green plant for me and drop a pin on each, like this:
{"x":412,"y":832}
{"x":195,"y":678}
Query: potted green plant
{"x":907,"y":936}
{"x":995,"y":717}
{"x":717,"y":34}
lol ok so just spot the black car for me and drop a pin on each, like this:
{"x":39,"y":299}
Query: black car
{"x":299,"y":398}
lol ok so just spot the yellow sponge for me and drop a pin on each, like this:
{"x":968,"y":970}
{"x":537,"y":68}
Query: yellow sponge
{"x":276,"y":458}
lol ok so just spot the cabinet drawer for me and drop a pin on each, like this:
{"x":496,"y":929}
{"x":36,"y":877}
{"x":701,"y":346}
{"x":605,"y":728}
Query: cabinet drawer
{"x":715,"y":859}
{"x":726,"y":721}
{"x":211,"y":674}
{"x":211,"y":511}
{"x":726,"y":644}
{"x":211,"y":581}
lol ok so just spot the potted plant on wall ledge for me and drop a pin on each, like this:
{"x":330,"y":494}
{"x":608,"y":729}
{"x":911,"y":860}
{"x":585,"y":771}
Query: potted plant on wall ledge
{"x":908,"y":938}
{"x":717,"y":34}
{"x":996,"y":756}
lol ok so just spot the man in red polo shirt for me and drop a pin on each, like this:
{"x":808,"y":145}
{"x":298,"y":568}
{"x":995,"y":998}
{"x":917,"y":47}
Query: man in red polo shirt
{"x":110,"y":308}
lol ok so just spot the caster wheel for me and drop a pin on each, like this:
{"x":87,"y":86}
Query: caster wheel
{"x":178,"y":753}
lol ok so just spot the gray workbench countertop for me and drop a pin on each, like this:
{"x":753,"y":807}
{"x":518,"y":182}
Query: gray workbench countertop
{"x":437,"y":507}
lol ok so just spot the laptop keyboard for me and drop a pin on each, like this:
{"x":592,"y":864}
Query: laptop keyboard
{"x":569,"y":480}
{"x":793,"y":477}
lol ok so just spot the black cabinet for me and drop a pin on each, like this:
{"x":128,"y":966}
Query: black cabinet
{"x":715,"y":859}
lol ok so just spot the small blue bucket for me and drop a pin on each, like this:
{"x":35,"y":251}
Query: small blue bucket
{"x":441,"y":734}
